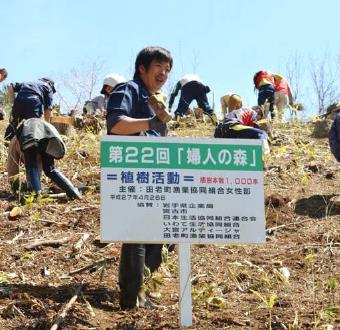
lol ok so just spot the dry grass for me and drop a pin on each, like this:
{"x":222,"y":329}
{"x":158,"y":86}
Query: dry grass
{"x":291,"y":282}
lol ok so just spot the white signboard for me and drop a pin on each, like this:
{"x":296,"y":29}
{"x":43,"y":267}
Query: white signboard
{"x":181,"y":190}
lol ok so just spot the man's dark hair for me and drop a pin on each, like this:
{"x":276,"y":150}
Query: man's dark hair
{"x":4,"y":72}
{"x":148,"y":54}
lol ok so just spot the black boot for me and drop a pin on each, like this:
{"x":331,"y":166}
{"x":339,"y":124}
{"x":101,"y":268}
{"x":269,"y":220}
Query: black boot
{"x":63,"y":183}
{"x":131,"y":274}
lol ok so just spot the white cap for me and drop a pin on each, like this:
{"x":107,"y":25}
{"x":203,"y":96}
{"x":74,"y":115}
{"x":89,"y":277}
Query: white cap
{"x":113,"y":79}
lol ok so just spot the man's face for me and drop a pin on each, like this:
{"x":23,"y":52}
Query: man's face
{"x":2,"y":77}
{"x":155,"y":76}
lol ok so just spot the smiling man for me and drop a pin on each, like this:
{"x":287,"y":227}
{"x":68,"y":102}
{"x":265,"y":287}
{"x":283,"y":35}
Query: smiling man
{"x":129,"y":113}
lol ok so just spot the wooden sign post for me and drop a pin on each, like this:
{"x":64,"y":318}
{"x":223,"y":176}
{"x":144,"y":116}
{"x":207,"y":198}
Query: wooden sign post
{"x":184,"y":191}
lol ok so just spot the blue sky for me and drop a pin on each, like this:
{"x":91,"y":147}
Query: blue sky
{"x":224,"y":42}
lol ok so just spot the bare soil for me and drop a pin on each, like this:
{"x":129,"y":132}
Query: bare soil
{"x":232,"y":285}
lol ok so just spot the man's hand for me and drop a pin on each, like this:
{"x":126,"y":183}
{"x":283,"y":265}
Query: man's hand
{"x":47,"y":114}
{"x":157,"y":125}
{"x":9,"y":133}
{"x":11,"y":93}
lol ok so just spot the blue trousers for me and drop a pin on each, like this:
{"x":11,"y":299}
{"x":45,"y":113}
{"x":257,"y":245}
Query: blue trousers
{"x":33,"y":175}
{"x":266,"y":92}
{"x":32,"y":170}
{"x":193,"y":90}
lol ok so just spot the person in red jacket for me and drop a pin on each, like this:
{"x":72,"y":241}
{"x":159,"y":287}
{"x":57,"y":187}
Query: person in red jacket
{"x":283,"y":95}
{"x":264,"y":82}
{"x":242,"y":124}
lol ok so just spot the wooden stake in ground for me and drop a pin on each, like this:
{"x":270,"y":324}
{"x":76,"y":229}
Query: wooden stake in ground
{"x":63,"y":314}
{"x":94,"y":264}
{"x":79,"y":244}
{"x":53,"y":242}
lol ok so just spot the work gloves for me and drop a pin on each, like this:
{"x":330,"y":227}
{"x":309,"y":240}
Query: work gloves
{"x":158,"y":126}
{"x":158,"y":105}
{"x":162,"y":115}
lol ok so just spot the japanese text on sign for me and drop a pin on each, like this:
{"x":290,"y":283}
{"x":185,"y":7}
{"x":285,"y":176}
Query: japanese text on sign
{"x":182,"y":191}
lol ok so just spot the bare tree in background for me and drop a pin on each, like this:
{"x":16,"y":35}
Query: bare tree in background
{"x":79,"y":85}
{"x":195,"y":62}
{"x":5,"y":102}
{"x":325,"y":82}
{"x":294,"y":75}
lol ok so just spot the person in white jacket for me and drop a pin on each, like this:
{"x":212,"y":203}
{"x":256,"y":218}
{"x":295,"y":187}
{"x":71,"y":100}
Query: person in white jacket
{"x":98,"y":104}
{"x":191,"y":88}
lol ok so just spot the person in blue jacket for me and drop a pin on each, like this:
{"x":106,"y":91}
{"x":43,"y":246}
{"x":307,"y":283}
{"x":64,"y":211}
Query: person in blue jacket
{"x":334,"y":136}
{"x":39,"y":140}
{"x":129,"y":113}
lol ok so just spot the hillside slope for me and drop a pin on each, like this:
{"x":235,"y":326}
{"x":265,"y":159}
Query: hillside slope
{"x":232,"y":285}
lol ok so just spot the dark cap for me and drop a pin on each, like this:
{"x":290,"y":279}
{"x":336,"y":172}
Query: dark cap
{"x":50,"y":82}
